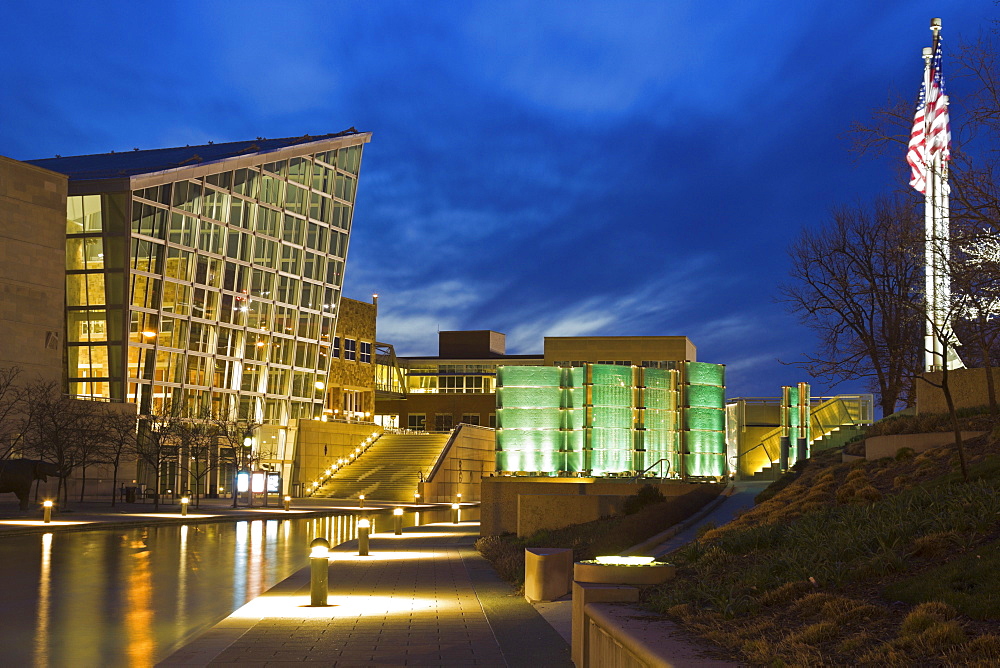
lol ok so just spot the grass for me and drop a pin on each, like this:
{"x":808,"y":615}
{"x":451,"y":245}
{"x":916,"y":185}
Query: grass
{"x":889,"y":562}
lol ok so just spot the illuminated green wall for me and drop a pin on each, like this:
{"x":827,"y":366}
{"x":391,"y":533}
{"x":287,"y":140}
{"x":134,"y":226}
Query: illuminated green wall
{"x":604,"y":418}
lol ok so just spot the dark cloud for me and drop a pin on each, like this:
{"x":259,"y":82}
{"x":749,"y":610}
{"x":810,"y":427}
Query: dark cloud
{"x":536,"y":168}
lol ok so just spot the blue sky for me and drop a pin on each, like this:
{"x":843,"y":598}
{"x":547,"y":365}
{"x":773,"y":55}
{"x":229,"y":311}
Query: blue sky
{"x":537,"y":168}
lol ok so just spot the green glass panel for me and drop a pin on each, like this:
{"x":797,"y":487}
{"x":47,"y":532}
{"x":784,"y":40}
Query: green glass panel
{"x":705,"y":395}
{"x":573,"y":419}
{"x":528,"y":376}
{"x":658,"y":378}
{"x":705,"y":441}
{"x":607,"y":374}
{"x":611,"y":416}
{"x":703,"y":373}
{"x":574,"y":442}
{"x":529,"y":397}
{"x":529,"y":418}
{"x":704,"y":418}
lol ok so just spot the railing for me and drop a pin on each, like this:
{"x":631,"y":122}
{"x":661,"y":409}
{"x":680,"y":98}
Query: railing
{"x":827,"y":415}
{"x":643,"y":472}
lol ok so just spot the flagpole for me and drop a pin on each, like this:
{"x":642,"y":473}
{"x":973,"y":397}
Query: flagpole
{"x":937,"y":277}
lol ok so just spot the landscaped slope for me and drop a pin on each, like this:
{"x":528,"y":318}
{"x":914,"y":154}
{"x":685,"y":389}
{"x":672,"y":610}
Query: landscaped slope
{"x":891,"y":562}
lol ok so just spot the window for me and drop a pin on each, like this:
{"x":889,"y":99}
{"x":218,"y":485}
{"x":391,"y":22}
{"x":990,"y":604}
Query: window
{"x":493,"y":420}
{"x":336,"y":347}
{"x":350,"y":349}
{"x":366,"y":352}
{"x":443,"y":421}
{"x":615,"y":362}
{"x":416,"y":421}
{"x":470,"y":418}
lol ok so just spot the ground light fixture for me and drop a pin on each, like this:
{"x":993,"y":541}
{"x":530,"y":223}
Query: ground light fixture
{"x":454,"y":513}
{"x":184,"y":505}
{"x":397,"y":516}
{"x":624,"y":561}
{"x":364,"y":527}
{"x":319,"y":569}
{"x":47,"y":511}
{"x":288,"y":503}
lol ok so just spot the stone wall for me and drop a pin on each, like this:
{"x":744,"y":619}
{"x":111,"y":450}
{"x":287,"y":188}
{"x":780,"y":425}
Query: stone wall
{"x":500,"y":495}
{"x":967,"y":386}
{"x":472,"y":456}
{"x":319,"y":444}
{"x":32,"y":269}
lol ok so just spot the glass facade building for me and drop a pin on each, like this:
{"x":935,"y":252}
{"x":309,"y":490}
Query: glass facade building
{"x":207,"y":279}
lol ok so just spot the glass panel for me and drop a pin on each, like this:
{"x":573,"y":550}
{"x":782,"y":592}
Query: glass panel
{"x":208,"y":271}
{"x":215,"y":204}
{"x":179,"y":263}
{"x":245,"y":182}
{"x":83,"y":214}
{"x":222,"y":180}
{"x":259,"y":315}
{"x":269,"y":222}
{"x":271,"y":190}
{"x":288,"y":290}
{"x":182,"y":230}
{"x":298,"y":170}
{"x":86,"y":326}
{"x":241,"y":213}
{"x":187,"y":196}
{"x":84,"y":253}
{"x":292,"y":230}
{"x":176,"y":298}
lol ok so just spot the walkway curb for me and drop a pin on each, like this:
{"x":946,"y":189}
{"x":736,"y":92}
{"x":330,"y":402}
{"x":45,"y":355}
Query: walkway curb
{"x":683,"y":525}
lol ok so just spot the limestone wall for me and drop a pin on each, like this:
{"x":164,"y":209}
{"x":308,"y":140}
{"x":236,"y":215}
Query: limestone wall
{"x":472,"y":456}
{"x":32,"y":269}
{"x":319,"y":444}
{"x":967,"y":386}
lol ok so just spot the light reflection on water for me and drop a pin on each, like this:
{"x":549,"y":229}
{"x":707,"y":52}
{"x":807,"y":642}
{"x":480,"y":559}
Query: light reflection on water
{"x":130,"y":596}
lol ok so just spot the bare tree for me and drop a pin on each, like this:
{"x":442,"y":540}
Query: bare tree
{"x":153,"y":447}
{"x":13,"y":412}
{"x":236,"y":444}
{"x":855,"y":282}
{"x":120,"y":429}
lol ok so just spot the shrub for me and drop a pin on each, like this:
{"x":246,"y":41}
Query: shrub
{"x":646,"y":496}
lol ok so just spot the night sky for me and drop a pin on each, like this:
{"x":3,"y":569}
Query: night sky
{"x":537,"y":168}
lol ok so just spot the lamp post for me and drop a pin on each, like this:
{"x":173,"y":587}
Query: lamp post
{"x":397,"y":516}
{"x":47,"y":512}
{"x":364,"y":526}
{"x":319,"y":568}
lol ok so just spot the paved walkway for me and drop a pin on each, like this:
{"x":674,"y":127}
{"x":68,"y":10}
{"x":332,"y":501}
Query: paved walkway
{"x":425,"y":598}
{"x":717,"y":514}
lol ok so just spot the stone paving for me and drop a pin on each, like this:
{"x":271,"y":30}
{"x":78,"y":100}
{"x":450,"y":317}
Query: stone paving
{"x":425,"y":598}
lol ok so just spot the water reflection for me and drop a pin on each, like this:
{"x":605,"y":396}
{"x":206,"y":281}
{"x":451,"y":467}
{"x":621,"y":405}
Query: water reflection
{"x":129,"y":597}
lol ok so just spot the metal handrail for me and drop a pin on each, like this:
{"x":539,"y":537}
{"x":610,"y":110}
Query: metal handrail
{"x":656,"y":463}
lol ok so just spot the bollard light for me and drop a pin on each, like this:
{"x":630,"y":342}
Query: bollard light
{"x":416,"y":497}
{"x":184,"y":505}
{"x":319,"y":568}
{"x":397,"y":516}
{"x":47,"y":512}
{"x":361,"y":500}
{"x":364,"y":526}
{"x":288,"y":503}
{"x":459,"y":497}
{"x":454,"y":513}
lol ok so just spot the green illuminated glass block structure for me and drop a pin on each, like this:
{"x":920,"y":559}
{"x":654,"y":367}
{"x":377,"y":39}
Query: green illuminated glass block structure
{"x":795,"y":420}
{"x":604,"y":419}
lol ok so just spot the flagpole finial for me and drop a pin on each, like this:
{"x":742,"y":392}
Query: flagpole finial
{"x":935,"y":26}
{"x":928,"y":53}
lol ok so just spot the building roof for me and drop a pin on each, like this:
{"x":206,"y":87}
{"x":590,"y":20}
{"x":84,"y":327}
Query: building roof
{"x":130,"y":163}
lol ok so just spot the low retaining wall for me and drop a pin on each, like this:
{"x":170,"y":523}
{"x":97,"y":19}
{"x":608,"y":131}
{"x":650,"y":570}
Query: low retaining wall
{"x":878,"y":447}
{"x":536,"y":512}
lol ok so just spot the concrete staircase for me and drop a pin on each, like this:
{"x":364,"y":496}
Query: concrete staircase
{"x":389,"y":470}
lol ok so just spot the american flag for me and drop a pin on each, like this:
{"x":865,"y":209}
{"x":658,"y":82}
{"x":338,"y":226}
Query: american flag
{"x":931,"y":133}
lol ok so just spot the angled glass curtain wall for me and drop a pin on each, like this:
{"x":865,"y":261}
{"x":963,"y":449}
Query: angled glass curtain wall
{"x":604,"y":419}
{"x":232,"y":294}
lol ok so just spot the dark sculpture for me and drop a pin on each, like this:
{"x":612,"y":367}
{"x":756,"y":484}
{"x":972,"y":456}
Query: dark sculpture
{"x":17,"y":475}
